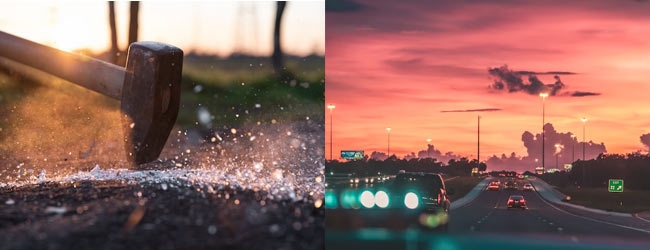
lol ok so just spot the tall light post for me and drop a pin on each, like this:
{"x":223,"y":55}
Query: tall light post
{"x":388,"y":129}
{"x":478,"y":142}
{"x":543,"y":95}
{"x":573,"y":148}
{"x":428,"y":142}
{"x":584,"y":170}
{"x":331,"y":107}
{"x":584,"y":124}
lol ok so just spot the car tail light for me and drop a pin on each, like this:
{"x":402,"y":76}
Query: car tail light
{"x":522,"y":200}
{"x":439,"y":201}
{"x":509,"y":200}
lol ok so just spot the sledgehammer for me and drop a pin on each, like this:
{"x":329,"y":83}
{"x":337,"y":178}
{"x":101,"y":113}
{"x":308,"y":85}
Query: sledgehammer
{"x":148,"y":88}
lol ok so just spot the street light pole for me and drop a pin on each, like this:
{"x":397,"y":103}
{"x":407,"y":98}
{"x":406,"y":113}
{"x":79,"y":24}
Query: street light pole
{"x":428,"y":142}
{"x":331,"y":107}
{"x":584,"y":124}
{"x":543,"y":95}
{"x":388,"y":129}
{"x":478,"y":143}
{"x":573,"y":148}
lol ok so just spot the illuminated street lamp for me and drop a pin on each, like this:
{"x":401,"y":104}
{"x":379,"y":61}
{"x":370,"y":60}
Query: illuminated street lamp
{"x":543,"y":95}
{"x":388,"y":129}
{"x":584,"y":124}
{"x":331,"y":107}
{"x":428,"y":142}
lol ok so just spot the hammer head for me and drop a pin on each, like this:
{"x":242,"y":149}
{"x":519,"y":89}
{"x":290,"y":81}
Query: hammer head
{"x":150,"y":98}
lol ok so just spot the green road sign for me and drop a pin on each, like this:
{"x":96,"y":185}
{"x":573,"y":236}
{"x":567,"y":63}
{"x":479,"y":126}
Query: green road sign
{"x":615,"y":186}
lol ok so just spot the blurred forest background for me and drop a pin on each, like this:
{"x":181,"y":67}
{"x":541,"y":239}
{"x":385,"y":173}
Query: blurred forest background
{"x":43,"y":118}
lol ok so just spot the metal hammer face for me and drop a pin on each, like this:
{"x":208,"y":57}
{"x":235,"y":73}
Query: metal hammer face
{"x":150,"y":98}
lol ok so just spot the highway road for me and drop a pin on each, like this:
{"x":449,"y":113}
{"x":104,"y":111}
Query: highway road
{"x":486,"y":223}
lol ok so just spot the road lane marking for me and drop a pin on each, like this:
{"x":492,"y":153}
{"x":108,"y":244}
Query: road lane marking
{"x":640,"y":218}
{"x":591,"y":219}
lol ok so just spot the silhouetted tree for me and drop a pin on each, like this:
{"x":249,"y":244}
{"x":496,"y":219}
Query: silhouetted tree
{"x":111,"y":23}
{"x":276,"y":58}
{"x":133,"y":22}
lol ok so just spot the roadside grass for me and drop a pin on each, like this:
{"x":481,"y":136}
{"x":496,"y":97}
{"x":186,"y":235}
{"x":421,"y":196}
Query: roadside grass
{"x":629,"y":201}
{"x":55,"y":118}
{"x":461,"y":186}
{"x":242,"y":90}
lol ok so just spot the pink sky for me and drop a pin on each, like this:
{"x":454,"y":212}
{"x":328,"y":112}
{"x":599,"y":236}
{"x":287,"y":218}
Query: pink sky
{"x":396,"y":64}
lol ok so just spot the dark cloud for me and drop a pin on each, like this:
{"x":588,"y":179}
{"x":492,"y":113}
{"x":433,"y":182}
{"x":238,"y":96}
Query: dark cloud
{"x":342,"y":6}
{"x":512,"y":81}
{"x":645,"y":139}
{"x":582,"y":93}
{"x":545,"y":73}
{"x":471,"y":110}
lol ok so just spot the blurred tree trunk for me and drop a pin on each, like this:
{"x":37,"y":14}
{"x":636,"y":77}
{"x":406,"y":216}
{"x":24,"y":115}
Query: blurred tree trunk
{"x":276,"y":58}
{"x":111,"y":23}
{"x":133,"y":22}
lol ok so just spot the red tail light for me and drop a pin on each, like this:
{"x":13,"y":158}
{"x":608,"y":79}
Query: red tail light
{"x":522,"y":200}
{"x":439,"y":201}
{"x":509,"y":200}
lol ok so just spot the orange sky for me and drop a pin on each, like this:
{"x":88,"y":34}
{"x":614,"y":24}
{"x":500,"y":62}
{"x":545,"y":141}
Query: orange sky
{"x":398,"y":65}
{"x":216,"y":27}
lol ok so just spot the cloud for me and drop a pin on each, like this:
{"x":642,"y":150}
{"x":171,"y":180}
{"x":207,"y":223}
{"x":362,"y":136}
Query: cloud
{"x":506,"y":79}
{"x":645,"y":139}
{"x":582,"y":93}
{"x":512,"y":81}
{"x":418,"y":66}
{"x":471,"y":110}
{"x":571,"y":147}
{"x":342,"y":6}
{"x":545,"y":73}
{"x":432,"y":152}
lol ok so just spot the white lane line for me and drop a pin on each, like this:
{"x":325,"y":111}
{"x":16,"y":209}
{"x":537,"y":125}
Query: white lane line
{"x":591,"y":219}
{"x":640,"y":218}
{"x":496,"y":205}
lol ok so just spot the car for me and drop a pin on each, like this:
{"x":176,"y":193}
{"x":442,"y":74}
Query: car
{"x":494,"y":186}
{"x":516,"y":201}
{"x":410,"y":199}
{"x":528,"y":187}
{"x":511,"y":185}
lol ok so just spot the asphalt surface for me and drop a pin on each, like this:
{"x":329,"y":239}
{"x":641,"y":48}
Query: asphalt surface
{"x":259,"y":187}
{"x":486,"y":223}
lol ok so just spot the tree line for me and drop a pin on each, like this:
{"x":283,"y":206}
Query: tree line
{"x":117,"y":55}
{"x":392,"y":165}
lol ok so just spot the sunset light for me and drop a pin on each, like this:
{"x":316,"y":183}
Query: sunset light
{"x":405,"y":68}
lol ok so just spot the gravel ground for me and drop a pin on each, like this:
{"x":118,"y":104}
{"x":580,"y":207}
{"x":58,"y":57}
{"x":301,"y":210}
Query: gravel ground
{"x":258,"y":187}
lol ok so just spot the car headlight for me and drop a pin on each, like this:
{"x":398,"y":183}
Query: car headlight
{"x":330,"y":200}
{"x":367,"y":199}
{"x":381,"y":199}
{"x":349,"y":200}
{"x":411,"y":200}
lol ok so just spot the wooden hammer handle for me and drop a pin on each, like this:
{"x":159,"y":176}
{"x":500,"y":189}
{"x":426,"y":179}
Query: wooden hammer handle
{"x":86,"y":71}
